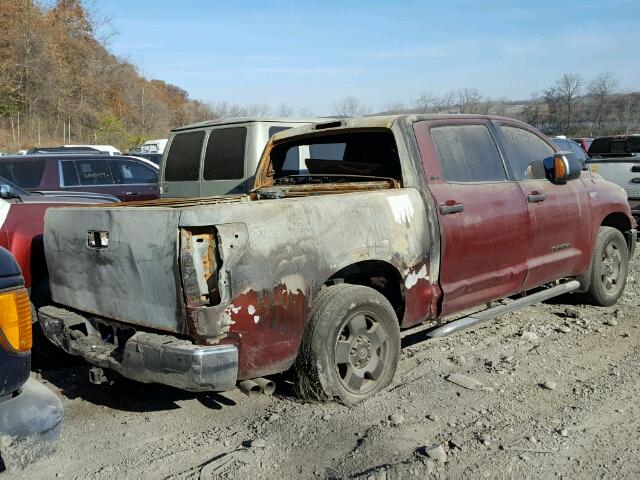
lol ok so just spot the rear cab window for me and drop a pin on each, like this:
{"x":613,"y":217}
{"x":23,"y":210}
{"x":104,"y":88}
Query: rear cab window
{"x":336,"y":158}
{"x":183,"y":160}
{"x":468,"y":154}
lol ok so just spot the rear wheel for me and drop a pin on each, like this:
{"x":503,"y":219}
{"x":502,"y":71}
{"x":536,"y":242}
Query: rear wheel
{"x":351,"y":347}
{"x":609,"y":267}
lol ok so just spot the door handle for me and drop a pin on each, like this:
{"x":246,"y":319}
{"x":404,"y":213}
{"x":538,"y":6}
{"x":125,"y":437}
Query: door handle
{"x":536,"y":197}
{"x":449,"y":209}
{"x":132,"y":193}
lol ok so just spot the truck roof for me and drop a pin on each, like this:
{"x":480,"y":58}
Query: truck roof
{"x":233,"y":120}
{"x":377,"y":121}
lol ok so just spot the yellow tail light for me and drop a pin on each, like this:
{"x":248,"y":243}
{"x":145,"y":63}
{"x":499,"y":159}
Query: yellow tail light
{"x":15,"y":320}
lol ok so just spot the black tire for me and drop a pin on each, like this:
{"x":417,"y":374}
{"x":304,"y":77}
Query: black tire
{"x":609,"y":267}
{"x":351,"y":345}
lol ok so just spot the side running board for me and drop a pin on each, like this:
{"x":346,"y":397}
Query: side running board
{"x":491,"y":313}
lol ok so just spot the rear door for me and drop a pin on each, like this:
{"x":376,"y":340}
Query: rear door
{"x":180,"y":170}
{"x":483,"y":217}
{"x":560,"y":218}
{"x":223,"y":169}
{"x":136,"y":180}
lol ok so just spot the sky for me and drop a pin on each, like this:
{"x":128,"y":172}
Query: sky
{"x":311,"y":54}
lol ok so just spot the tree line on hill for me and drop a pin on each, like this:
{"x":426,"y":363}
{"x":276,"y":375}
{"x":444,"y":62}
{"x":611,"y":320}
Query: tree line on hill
{"x":570,"y":106}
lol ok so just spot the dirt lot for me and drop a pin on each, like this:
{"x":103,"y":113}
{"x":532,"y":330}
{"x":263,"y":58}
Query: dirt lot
{"x":555,"y":395}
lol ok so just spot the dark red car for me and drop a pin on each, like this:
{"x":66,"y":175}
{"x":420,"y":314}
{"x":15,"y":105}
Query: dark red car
{"x":127,"y":178}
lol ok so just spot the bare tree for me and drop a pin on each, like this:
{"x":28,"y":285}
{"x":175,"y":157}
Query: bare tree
{"x":600,"y":88}
{"x":284,"y":110}
{"x":394,"y":107}
{"x":426,"y":102}
{"x":350,"y":107}
{"x":446,"y":102}
{"x":469,"y":100}
{"x":568,"y":88}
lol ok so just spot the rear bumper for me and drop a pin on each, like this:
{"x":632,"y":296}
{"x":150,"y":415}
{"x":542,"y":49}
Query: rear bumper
{"x":30,"y":425}
{"x":144,"y":357}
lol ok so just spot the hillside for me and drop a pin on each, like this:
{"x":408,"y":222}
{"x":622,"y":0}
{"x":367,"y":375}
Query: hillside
{"x":54,"y":71}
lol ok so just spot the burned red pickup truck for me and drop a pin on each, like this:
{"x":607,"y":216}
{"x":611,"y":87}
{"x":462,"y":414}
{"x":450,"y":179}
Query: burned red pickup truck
{"x":390,"y":222}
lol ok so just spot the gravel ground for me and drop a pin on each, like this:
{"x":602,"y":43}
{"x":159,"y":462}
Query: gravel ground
{"x":550,"y":391}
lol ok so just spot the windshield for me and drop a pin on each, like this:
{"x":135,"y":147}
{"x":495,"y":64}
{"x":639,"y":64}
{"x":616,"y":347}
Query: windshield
{"x":352,"y":156}
{"x":16,"y":189}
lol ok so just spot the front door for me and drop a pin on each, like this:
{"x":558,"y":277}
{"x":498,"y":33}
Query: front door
{"x":483,"y":216}
{"x":560,"y":219}
{"x":136,"y":180}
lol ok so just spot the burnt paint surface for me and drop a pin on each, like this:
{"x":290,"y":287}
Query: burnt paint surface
{"x":276,"y":254}
{"x":292,"y":247}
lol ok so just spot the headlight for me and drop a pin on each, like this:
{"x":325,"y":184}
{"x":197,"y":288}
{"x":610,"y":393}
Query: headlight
{"x":15,"y":321}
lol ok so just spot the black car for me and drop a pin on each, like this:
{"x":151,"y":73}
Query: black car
{"x":30,"y":413}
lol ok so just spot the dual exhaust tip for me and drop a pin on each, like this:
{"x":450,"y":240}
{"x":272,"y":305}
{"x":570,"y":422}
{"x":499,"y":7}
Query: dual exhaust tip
{"x":257,"y":386}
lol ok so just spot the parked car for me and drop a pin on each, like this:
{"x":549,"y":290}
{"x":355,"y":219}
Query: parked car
{"x":21,"y":228}
{"x":64,"y":150}
{"x":584,"y":142}
{"x":569,"y":145}
{"x":154,"y":146}
{"x":108,"y":149}
{"x":153,"y":157}
{"x":218,"y":157}
{"x":127,"y":178}
{"x":30,"y":413}
{"x":388,"y":222}
{"x":617,"y":159}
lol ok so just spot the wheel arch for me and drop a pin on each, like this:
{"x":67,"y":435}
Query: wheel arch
{"x":380,"y":275}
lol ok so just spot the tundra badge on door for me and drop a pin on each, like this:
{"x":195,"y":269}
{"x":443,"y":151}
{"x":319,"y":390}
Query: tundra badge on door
{"x":97,"y":239}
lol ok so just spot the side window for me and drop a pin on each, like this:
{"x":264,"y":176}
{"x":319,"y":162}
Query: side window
{"x":224,"y":159}
{"x":527,"y":152}
{"x":468,"y":154}
{"x":24,"y":173}
{"x":94,"y":172}
{"x":183,"y":159}
{"x":129,"y":171}
{"x":579,"y":152}
{"x":69,"y":174}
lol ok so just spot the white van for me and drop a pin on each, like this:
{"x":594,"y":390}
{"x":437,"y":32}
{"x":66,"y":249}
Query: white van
{"x":218,"y":157}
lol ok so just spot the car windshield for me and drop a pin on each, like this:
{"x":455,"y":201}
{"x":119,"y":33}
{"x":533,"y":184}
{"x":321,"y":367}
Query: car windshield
{"x":14,"y":187}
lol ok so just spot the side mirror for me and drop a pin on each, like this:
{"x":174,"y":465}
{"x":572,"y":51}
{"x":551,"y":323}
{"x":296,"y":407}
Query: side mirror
{"x":6,"y":192}
{"x":562,"y":167}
